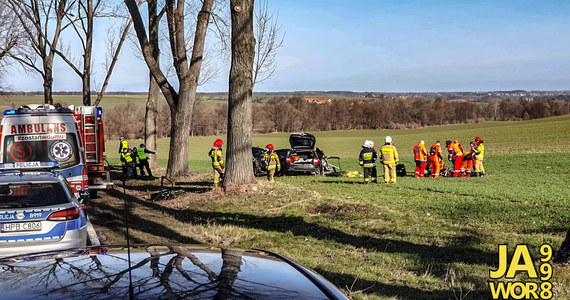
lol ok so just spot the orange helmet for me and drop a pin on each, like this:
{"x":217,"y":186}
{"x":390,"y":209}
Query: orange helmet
{"x":269,"y":147}
{"x":455,"y":141}
{"x":478,"y":139}
{"x":218,"y":143}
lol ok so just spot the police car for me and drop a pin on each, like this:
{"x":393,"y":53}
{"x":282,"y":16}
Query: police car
{"x":38,"y":209}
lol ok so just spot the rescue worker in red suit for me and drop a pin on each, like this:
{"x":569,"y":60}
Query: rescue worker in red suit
{"x":455,"y":156}
{"x":367,"y":159}
{"x":434,"y":159}
{"x":420,"y":155}
{"x":469,"y":159}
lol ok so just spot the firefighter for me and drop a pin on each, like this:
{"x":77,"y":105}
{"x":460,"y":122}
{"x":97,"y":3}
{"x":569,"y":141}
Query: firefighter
{"x":142,"y":152}
{"x":367,"y":159}
{"x":217,"y":157}
{"x":122,"y":145}
{"x":435,"y":158}
{"x":479,"y":152}
{"x":389,"y":160}
{"x":420,"y":156}
{"x":456,"y":157}
{"x":271,"y":161}
{"x":128,"y":163}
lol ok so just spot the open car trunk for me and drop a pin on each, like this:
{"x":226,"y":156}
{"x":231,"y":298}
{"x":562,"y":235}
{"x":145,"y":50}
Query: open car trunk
{"x":302,"y":140}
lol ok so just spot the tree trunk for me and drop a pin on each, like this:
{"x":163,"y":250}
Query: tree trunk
{"x":151,"y":115}
{"x":151,"y":119}
{"x":181,"y":124}
{"x":231,"y":265}
{"x":239,"y":164}
{"x":86,"y":76}
{"x":48,"y":84}
{"x":563,"y":254}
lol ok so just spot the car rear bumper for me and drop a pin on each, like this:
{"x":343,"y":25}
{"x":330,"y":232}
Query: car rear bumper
{"x":303,"y":168}
{"x":72,"y":238}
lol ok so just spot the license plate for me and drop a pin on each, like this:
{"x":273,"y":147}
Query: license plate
{"x":22,"y":226}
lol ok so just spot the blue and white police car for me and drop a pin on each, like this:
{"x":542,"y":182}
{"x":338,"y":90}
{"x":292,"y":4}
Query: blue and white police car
{"x":38,"y":209}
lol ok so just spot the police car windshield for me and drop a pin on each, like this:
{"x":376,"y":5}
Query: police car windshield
{"x":31,"y":195}
{"x":60,"y":147}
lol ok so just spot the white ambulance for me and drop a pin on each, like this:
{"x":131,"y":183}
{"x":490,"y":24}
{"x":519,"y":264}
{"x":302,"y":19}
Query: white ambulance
{"x":39,"y":133}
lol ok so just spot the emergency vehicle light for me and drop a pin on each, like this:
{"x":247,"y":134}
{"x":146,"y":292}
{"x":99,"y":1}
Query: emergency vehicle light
{"x":10,"y":112}
{"x":99,"y":111}
{"x":29,"y":165}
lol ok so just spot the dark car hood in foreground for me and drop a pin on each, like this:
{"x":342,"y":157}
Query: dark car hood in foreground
{"x":160,"y":272}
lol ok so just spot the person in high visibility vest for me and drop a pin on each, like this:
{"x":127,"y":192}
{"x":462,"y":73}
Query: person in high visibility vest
{"x":272,"y":162}
{"x":122,"y":144}
{"x":367,"y":159}
{"x":389,"y":160}
{"x":469,"y":159}
{"x":128,"y":163}
{"x":434,"y":159}
{"x":217,"y":157}
{"x":142,"y":152}
{"x":479,"y":152}
{"x":420,"y":156}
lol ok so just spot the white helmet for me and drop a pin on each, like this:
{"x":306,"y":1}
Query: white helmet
{"x":422,"y":142}
{"x":388,"y":140}
{"x":368,"y":144}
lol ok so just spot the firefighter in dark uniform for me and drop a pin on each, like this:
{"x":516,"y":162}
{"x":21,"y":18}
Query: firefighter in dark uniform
{"x":217,"y":157}
{"x":367,"y":159}
{"x":272,"y":162}
{"x":142,"y":152}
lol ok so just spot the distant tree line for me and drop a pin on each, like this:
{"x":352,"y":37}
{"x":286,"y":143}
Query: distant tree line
{"x":294,"y":114}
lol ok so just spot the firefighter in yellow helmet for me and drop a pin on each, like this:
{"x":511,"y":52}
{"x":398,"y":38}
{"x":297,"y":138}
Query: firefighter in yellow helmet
{"x":217,"y":157}
{"x":479,"y":153}
{"x":272,"y":162}
{"x":367,"y":159}
{"x":389,"y":159}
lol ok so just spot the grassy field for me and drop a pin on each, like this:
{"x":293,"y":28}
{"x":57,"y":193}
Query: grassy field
{"x":418,"y":239}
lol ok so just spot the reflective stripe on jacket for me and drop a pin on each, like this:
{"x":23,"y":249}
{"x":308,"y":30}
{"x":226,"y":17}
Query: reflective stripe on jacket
{"x":367,"y":157}
{"x":217,"y":157}
{"x":454,"y":150}
{"x":141,"y":154}
{"x":272,"y":160}
{"x":480,"y":152}
{"x":389,"y":154}
{"x":420,"y":153}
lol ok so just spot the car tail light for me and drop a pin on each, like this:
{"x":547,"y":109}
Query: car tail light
{"x":315,"y":161}
{"x":85,"y":179}
{"x":288,"y":159}
{"x":64,"y":215}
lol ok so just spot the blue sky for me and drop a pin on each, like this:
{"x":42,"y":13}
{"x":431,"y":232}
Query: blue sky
{"x":391,"y":46}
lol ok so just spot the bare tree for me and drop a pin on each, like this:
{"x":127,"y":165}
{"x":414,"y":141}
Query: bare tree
{"x":181,"y":102}
{"x":267,"y":40}
{"x":43,"y":21}
{"x":239,"y":164}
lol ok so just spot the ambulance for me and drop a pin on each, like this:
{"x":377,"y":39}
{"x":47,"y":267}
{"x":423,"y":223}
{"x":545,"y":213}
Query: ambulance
{"x":72,"y":136}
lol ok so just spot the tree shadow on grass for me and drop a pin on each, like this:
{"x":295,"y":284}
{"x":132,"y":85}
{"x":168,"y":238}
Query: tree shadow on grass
{"x":354,"y":285}
{"x":113,"y":218}
{"x":461,"y":249}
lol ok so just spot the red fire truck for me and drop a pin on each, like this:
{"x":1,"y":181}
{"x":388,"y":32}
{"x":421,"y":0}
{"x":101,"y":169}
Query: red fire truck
{"x":90,"y":122}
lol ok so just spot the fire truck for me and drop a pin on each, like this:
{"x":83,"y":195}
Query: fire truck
{"x":73,"y":136}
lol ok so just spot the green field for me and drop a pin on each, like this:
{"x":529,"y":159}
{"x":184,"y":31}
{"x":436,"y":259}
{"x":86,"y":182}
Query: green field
{"x":419,"y":239}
